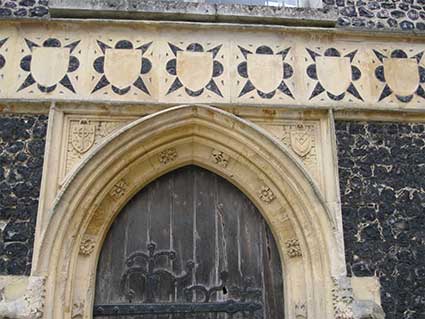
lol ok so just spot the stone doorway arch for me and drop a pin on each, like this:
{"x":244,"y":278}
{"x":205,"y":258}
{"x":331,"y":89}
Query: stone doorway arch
{"x":68,"y":247}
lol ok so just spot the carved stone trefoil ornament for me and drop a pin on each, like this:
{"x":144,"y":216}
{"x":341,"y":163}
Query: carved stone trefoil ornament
{"x":87,"y":245}
{"x":266,"y":194}
{"x":118,"y":190}
{"x":300,"y":311}
{"x":293,"y":248}
{"x":78,"y":310}
{"x":220,"y":158}
{"x":83,"y":136}
{"x":301,"y":140}
{"x":167,"y":156}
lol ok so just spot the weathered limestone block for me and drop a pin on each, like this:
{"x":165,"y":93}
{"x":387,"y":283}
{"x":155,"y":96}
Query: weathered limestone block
{"x":22,"y":297}
{"x":354,"y":301}
{"x":366,"y":309}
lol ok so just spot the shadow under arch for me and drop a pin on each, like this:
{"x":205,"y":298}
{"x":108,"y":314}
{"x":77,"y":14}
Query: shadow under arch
{"x":129,"y":159}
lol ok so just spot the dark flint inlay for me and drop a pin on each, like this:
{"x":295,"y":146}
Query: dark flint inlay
{"x":218,"y":69}
{"x":175,"y":86}
{"x":194,"y":93}
{"x":124,"y":44}
{"x":99,"y":64}
{"x":264,"y":50}
{"x":52,"y":43}
{"x":103,"y":82}
{"x":172,"y":67}
{"x":74,"y":64}
{"x":195,"y":47}
{"x":311,"y":71}
{"x":26,"y":63}
{"x":248,"y":87}
{"x":212,"y":86}
{"x":355,"y":73}
{"x":318,"y":89}
{"x":243,"y":69}
{"x":146,"y":66}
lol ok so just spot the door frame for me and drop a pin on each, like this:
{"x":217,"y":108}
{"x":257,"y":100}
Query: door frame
{"x":71,"y":235}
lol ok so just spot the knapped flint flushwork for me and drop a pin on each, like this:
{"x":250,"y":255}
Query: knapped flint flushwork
{"x":24,"y":8}
{"x":22,"y":140}
{"x":382,"y":169}
{"x":405,"y":15}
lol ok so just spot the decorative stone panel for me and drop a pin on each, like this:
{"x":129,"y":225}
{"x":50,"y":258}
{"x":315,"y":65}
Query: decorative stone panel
{"x":169,"y":64}
{"x":22,"y":139}
{"x":381,"y":167}
{"x":82,"y":134}
{"x":304,"y":139}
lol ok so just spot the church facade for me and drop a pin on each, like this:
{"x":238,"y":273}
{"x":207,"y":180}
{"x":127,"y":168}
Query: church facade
{"x":168,"y":159}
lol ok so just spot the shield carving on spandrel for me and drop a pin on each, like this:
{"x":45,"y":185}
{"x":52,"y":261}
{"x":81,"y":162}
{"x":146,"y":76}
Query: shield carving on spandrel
{"x":49,"y":65}
{"x":194,"y":69}
{"x":334,"y":73}
{"x":301,"y":141}
{"x":401,"y":75}
{"x":83,"y":136}
{"x":122,"y":66}
{"x":265,"y":71}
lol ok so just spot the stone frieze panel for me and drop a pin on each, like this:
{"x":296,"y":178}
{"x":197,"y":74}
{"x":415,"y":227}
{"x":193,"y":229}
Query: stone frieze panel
{"x":122,"y":66}
{"x":251,"y":61}
{"x":343,"y":86}
{"x":47,"y":66}
{"x":304,"y":140}
{"x":153,"y":63}
{"x":194,"y":69}
{"x":81,"y":134}
{"x":401,"y":74}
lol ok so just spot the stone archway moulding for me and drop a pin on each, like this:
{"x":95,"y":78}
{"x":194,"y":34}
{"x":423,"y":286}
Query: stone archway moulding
{"x":68,"y":244}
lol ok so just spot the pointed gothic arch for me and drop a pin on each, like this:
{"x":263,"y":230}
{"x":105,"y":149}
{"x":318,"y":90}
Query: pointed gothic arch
{"x":69,"y":244}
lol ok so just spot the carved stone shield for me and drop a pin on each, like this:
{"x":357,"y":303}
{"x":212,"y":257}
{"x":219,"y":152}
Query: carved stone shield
{"x":401,"y":75}
{"x":301,"y":141}
{"x":194,"y":69}
{"x":49,"y":65}
{"x":265,"y":71}
{"x":334,"y":73}
{"x":122,"y":66}
{"x":83,"y":136}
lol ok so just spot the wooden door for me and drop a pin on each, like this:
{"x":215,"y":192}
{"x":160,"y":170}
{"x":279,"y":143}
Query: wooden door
{"x":189,"y":245}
